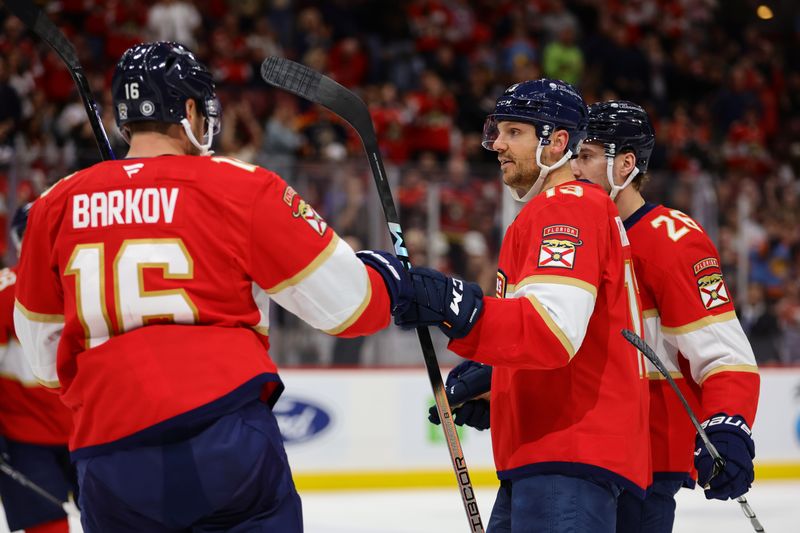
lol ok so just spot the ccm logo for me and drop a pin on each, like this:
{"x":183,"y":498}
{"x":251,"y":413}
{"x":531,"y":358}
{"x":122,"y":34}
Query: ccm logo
{"x":458,"y":295}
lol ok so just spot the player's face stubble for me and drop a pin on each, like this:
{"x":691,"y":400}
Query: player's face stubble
{"x":516,"y":151}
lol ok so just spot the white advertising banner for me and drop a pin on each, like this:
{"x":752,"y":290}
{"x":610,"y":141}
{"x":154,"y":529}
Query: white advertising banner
{"x":368,"y":420}
{"x":376,"y":420}
{"x":777,"y":426}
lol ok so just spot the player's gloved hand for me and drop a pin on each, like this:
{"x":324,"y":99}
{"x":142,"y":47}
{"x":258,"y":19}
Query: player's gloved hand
{"x":394,"y":275}
{"x":465,"y":382}
{"x":731,"y":436}
{"x":450,"y":303}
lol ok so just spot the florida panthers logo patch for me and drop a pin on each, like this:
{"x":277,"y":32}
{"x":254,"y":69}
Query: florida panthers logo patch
{"x":300,"y":209}
{"x":559,"y":246}
{"x":502,"y":284}
{"x":713,"y":291}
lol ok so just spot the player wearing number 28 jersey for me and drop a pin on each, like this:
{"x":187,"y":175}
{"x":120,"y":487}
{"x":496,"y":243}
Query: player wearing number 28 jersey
{"x":689,"y":321}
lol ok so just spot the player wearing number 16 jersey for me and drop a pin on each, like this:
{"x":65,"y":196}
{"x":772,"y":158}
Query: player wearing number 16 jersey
{"x":568,"y":394}
{"x":143,"y":298}
{"x":689,"y":321}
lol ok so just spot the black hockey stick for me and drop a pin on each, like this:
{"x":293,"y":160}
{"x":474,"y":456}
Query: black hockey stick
{"x":35,"y":19}
{"x":315,"y":87}
{"x":719,"y":462}
{"x":22,"y":479}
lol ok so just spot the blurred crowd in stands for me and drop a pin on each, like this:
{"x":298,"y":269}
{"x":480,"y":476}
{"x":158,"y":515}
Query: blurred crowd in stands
{"x":717,"y":77}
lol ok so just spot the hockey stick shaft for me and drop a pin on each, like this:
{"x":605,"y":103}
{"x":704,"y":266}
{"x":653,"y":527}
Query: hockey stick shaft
{"x":23,"y":480}
{"x":719,"y":462}
{"x":315,"y":87}
{"x":35,"y":19}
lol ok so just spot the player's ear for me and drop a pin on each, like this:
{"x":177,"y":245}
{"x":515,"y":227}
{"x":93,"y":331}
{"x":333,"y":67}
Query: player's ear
{"x":628,"y":164}
{"x":559,"y":140}
{"x":191,"y":109}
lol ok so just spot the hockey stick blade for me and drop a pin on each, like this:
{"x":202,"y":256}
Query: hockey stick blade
{"x":35,"y":19}
{"x":719,"y":462}
{"x":22,"y":479}
{"x":310,"y":85}
{"x":315,"y":87}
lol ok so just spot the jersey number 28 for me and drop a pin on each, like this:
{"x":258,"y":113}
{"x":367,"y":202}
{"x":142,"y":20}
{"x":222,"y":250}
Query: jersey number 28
{"x":673,"y":231}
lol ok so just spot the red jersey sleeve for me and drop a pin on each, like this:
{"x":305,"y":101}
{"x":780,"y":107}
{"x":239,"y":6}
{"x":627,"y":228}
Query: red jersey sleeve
{"x":698,"y":318}
{"x":39,"y":308}
{"x":307,"y":269}
{"x":557,"y":249}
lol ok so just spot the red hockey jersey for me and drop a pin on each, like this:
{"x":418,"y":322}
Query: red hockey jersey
{"x":691,"y":324}
{"x":569,"y":394}
{"x":145,"y":284}
{"x":28,"y":412}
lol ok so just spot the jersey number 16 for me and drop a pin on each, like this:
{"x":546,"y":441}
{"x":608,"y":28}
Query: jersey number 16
{"x":133,"y":305}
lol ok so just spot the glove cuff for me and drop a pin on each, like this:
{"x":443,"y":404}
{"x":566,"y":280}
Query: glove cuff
{"x":394,"y":276}
{"x":733,"y":425}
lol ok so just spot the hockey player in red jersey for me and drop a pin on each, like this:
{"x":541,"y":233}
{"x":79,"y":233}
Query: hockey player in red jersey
{"x":568,"y":394}
{"x":34,"y":424}
{"x":689,"y":321}
{"x":143,"y":299}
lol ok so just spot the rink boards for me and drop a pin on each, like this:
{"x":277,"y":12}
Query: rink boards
{"x":364,"y":428}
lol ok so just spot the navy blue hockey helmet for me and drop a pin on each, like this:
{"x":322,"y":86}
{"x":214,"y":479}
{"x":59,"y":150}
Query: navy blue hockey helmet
{"x":18,"y":224}
{"x":622,"y":126}
{"x":547,"y":104}
{"x":152,"y":82}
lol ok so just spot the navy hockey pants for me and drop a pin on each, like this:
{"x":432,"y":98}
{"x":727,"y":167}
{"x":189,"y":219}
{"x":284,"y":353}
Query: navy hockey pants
{"x":47,"y":466}
{"x":233,"y":476}
{"x":654,"y":514}
{"x":556,"y":504}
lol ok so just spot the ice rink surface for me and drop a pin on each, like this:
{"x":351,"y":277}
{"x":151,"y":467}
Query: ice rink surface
{"x":776,"y":503}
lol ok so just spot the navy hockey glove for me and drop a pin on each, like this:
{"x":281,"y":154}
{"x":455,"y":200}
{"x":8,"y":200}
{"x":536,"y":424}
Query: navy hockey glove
{"x":394,"y":275}
{"x":731,"y":436}
{"x":450,"y":303}
{"x":466,"y":381}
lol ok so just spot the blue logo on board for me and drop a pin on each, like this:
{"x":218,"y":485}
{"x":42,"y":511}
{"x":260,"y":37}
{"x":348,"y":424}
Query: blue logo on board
{"x":797,"y":423}
{"x":300,"y":420}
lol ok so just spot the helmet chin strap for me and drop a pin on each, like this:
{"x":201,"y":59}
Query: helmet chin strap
{"x":204,"y":148}
{"x":544,"y":170}
{"x":616,"y":189}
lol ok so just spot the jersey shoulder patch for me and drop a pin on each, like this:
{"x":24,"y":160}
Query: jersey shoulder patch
{"x":301,"y":209}
{"x":713,"y":291}
{"x":559,"y":246}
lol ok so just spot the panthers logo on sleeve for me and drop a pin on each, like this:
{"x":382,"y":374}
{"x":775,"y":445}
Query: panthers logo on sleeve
{"x":559,"y":246}
{"x":300,"y":209}
{"x":713,"y":291}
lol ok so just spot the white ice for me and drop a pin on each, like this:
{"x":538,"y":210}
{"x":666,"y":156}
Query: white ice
{"x":777,"y":504}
